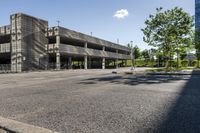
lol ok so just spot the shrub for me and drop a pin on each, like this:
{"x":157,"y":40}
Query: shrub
{"x":171,"y":63}
{"x":184,"y":63}
{"x":194,"y":63}
{"x":151,"y":63}
{"x":140,"y":63}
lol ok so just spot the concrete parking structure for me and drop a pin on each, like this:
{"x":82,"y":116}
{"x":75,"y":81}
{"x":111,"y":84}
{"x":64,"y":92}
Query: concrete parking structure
{"x":29,"y":44}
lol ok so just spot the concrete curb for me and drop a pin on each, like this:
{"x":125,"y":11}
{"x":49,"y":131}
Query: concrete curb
{"x":19,"y":127}
{"x":156,"y":73}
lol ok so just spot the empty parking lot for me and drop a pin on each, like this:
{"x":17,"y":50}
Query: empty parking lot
{"x":99,"y":101}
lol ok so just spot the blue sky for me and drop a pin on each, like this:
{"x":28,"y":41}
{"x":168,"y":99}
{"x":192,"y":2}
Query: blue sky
{"x":96,"y":16}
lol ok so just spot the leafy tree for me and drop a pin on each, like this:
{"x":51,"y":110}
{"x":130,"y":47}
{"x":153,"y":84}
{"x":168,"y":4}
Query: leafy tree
{"x":136,"y":52}
{"x":169,"y":31}
{"x":145,"y":54}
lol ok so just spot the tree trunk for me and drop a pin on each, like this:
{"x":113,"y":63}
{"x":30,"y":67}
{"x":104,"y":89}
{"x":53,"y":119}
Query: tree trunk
{"x":177,"y":56}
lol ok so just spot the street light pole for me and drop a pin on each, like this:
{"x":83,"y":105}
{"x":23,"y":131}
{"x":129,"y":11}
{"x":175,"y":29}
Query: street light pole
{"x":58,"y":23}
{"x":132,"y":55}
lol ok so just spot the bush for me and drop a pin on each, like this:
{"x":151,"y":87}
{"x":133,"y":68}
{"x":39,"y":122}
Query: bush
{"x":194,"y":63}
{"x":184,"y":63}
{"x":171,"y":63}
{"x":151,"y":63}
{"x":141,"y":63}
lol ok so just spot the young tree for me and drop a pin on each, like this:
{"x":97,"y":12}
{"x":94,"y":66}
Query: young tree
{"x":168,"y":31}
{"x":145,"y":54}
{"x":136,"y":52}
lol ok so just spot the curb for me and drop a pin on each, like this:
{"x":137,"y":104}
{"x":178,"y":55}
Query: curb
{"x":156,"y":73}
{"x":12,"y":126}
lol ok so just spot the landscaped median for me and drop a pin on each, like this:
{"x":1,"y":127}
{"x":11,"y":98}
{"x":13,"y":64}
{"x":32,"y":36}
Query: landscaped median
{"x":12,"y":126}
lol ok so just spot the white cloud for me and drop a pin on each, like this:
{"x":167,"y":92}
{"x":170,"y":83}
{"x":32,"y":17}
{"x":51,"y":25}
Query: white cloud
{"x":121,"y":14}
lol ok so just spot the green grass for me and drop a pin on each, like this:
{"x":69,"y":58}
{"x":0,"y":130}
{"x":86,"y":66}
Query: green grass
{"x":168,"y":69}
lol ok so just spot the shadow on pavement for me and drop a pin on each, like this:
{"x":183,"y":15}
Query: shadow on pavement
{"x":184,"y":115}
{"x":135,"y":79}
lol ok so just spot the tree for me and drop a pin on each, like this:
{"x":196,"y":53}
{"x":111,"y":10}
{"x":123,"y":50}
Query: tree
{"x":168,"y":31}
{"x":145,"y":54}
{"x":136,"y":52}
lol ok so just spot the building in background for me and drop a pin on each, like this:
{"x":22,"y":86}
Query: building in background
{"x":29,"y":44}
{"x":197,"y":14}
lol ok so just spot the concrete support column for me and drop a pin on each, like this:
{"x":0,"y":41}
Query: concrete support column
{"x":85,"y":57}
{"x":57,"y":61}
{"x":57,"y":53}
{"x":103,"y":63}
{"x":103,"y":48}
{"x":85,"y":45}
{"x":85,"y":62}
{"x":116,"y":60}
{"x":89,"y":62}
{"x":70,"y":62}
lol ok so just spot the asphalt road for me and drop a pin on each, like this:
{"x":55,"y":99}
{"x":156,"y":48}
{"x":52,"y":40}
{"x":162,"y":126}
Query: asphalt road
{"x":97,"y":101}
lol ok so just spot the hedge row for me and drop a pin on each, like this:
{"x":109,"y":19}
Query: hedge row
{"x":173,"y":63}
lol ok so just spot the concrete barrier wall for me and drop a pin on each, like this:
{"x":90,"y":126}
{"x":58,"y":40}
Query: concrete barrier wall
{"x":5,"y":48}
{"x":69,"y":49}
{"x":63,"y":32}
{"x":5,"y":30}
{"x":28,"y":42}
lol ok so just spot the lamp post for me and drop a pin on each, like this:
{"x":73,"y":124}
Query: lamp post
{"x":132,"y":55}
{"x":58,"y":23}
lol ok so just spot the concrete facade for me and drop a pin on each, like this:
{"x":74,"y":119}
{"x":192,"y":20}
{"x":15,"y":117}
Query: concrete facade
{"x":29,"y":44}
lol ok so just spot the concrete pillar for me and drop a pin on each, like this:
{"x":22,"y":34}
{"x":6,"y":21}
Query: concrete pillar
{"x":89,"y":62}
{"x":58,"y":53}
{"x":85,"y":45}
{"x":116,"y":60}
{"x":85,"y":61}
{"x":103,"y":48}
{"x":103,"y":63}
{"x":57,"y":61}
{"x":85,"y":57}
{"x":70,"y":62}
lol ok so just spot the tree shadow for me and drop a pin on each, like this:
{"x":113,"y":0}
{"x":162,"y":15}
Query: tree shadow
{"x":183,"y":116}
{"x":135,"y":79}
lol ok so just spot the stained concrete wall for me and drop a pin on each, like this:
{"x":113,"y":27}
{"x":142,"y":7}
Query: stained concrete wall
{"x":27,"y":42}
{"x":63,"y":32}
